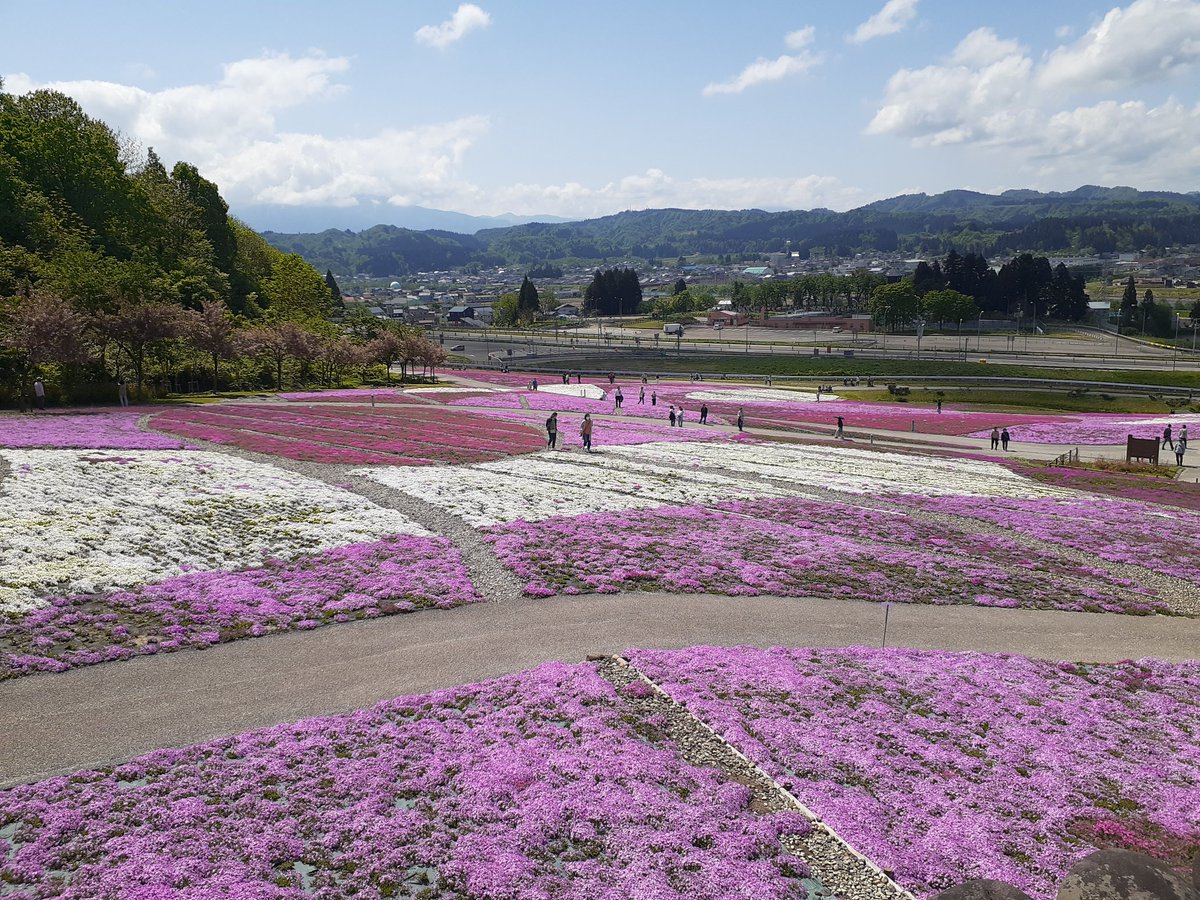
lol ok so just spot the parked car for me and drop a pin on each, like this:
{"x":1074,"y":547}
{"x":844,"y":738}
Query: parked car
{"x":457,"y":347}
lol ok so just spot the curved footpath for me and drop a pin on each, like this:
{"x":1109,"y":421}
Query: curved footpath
{"x":55,"y":724}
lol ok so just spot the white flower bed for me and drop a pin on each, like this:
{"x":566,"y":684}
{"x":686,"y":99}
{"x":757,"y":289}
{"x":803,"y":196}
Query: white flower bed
{"x":78,"y":521}
{"x":847,"y":469}
{"x":759,"y":395}
{"x":452,"y":390}
{"x":551,"y":484}
{"x":588,"y":391}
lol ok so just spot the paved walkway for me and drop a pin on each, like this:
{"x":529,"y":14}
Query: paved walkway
{"x":54,"y":724}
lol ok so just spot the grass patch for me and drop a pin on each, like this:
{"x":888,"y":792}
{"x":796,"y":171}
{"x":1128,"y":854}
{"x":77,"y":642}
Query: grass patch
{"x":1128,"y":468}
{"x":1016,"y":400}
{"x":897,"y":369}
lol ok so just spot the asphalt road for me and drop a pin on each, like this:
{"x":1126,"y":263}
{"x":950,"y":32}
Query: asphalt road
{"x":55,"y":724}
{"x":1081,"y":351}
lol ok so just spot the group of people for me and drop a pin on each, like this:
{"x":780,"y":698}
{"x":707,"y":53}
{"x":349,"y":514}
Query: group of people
{"x":1179,"y":444}
{"x":585,"y":432}
{"x":1000,"y":438}
{"x":39,"y":393}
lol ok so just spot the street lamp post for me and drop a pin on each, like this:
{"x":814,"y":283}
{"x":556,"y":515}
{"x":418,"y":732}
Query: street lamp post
{"x":1175,"y":345}
{"x":920,"y":334}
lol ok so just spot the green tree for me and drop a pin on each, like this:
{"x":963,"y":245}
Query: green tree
{"x":679,"y":287}
{"x":334,"y":290}
{"x":295,"y":292}
{"x":528,"y":306}
{"x":1129,"y":303}
{"x":948,"y":306}
{"x":893,"y":305}
{"x":505,"y":311}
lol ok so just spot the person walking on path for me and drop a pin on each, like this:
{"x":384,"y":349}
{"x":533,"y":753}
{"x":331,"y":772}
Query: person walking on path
{"x":39,"y":394}
{"x":704,"y":414}
{"x":644,"y":379}
{"x":123,"y":391}
{"x":1167,"y":442}
{"x":585,"y":431}
{"x":552,"y":431}
{"x":995,"y":438}
{"x":566,"y":378}
{"x":612,"y":378}
{"x":642,"y":391}
{"x":741,"y":419}
{"x":841,"y":428}
{"x":1182,"y":436}
{"x":671,"y":416}
{"x":654,"y":398}
{"x":939,"y":406}
{"x":1004,"y":439}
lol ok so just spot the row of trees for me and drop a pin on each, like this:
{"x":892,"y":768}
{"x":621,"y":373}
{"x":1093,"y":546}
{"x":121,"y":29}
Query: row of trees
{"x":44,"y":336}
{"x":1024,"y":286}
{"x":898,"y":305}
{"x":613,"y":292}
{"x":112,"y":266}
{"x":1149,"y":316}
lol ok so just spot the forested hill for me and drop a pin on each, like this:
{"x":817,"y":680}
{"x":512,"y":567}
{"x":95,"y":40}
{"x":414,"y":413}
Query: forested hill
{"x":1089,"y":219}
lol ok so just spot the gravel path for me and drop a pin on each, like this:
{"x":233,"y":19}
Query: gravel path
{"x":837,"y":867}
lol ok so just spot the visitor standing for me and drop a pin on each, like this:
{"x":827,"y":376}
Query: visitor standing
{"x":552,"y":431}
{"x":1004,"y":439}
{"x":566,"y":378}
{"x":741,"y":419}
{"x":642,"y":392}
{"x":39,"y":394}
{"x":654,"y":398}
{"x":841,"y":428}
{"x":1167,"y":442}
{"x":123,"y":391}
{"x":995,"y":438}
{"x":1180,"y":449}
{"x":939,"y":406}
{"x":671,"y":416}
{"x":679,"y":417}
{"x":618,"y":398}
{"x":1182,"y":436}
{"x":704,"y":414}
{"x":612,"y":378}
{"x":585,"y":431}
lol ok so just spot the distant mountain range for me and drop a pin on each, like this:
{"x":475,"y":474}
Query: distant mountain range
{"x":299,"y":219}
{"x":1087,"y":220}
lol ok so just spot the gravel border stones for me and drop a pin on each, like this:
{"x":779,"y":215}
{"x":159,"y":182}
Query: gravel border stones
{"x":837,"y":868}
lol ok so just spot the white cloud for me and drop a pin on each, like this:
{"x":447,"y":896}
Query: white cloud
{"x":761,"y":71}
{"x":801,"y":38}
{"x":467,"y":17}
{"x":229,"y":131}
{"x":1142,"y":43}
{"x":991,"y":92}
{"x":893,"y":18}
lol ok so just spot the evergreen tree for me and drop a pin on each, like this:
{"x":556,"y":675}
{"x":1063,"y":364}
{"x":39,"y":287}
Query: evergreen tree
{"x":331,"y":283}
{"x":528,"y":306}
{"x":1129,"y":302}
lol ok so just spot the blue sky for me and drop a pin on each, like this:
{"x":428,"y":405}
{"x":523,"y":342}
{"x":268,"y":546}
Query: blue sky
{"x":587,"y":108}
